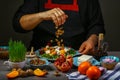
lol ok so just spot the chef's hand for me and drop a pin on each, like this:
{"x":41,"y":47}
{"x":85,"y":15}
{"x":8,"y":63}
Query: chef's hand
{"x":88,"y":46}
{"x":56,"y":14}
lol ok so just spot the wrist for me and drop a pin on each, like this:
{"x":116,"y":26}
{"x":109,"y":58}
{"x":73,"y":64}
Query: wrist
{"x":41,"y":16}
{"x":93,"y":38}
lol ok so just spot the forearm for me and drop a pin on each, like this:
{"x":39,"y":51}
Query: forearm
{"x":30,"y":21}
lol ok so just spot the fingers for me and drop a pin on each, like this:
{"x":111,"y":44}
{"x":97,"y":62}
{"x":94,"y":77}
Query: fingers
{"x":83,"y":49}
{"x":86,"y":49}
{"x":63,"y":16}
{"x":58,"y":16}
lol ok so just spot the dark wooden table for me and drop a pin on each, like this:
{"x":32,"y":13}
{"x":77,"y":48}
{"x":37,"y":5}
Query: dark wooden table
{"x":51,"y":69}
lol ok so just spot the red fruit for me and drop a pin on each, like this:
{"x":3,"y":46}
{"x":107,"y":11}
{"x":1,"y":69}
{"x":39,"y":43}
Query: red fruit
{"x":93,"y":73}
{"x":69,"y":58}
{"x":70,"y":61}
{"x":63,"y":63}
{"x":62,"y":58}
{"x":65,"y":67}
{"x":41,"y":51}
{"x":57,"y":63}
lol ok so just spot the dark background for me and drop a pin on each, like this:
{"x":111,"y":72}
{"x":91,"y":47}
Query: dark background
{"x":110,"y":10}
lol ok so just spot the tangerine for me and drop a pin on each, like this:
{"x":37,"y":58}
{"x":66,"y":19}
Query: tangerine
{"x":83,"y":67}
{"x":93,"y":73}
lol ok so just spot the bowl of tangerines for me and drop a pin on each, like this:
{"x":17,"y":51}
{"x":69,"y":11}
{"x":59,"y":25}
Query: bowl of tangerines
{"x":91,"y":71}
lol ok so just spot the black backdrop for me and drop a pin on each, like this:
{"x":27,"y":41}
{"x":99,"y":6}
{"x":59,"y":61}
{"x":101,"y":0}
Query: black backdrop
{"x":110,"y":10}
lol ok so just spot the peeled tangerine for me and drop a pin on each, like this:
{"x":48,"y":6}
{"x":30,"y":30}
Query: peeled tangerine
{"x":93,"y":73}
{"x":12,"y":74}
{"x":39,"y":72}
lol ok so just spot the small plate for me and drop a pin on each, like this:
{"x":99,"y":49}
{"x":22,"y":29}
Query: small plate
{"x":38,"y":65}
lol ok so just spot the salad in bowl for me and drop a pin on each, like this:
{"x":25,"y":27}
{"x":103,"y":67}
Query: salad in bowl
{"x":53,"y":52}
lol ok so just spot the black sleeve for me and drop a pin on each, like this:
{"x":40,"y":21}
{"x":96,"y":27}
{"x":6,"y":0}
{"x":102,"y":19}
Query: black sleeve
{"x":95,"y":18}
{"x":28,"y":7}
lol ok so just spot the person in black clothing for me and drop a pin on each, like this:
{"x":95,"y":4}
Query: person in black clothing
{"x":82,"y":21}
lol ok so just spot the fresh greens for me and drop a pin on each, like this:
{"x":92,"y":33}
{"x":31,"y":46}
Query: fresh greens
{"x":49,"y":56}
{"x":17,"y":51}
{"x":71,"y":52}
